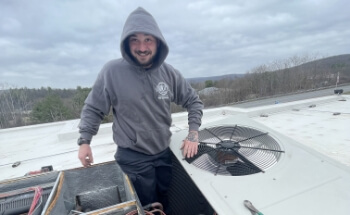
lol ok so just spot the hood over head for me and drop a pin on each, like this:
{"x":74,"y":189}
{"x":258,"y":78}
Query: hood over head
{"x":140,"y":21}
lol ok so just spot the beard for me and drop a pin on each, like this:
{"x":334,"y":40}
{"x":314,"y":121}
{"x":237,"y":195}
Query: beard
{"x":144,"y":64}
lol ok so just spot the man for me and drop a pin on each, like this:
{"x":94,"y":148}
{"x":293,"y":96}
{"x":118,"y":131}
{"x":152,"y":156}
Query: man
{"x":139,"y":88}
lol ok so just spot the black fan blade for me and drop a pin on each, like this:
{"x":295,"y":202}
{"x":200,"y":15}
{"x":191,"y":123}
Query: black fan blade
{"x":202,"y":149}
{"x":207,"y":143}
{"x":245,"y":160}
{"x":241,"y":168}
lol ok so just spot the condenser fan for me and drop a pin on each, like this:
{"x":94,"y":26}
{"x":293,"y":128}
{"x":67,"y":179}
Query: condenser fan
{"x":235,"y":150}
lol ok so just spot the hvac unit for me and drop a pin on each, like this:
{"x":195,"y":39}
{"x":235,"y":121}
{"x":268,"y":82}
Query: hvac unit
{"x":100,"y":189}
{"x":17,"y":195}
{"x":240,"y":161}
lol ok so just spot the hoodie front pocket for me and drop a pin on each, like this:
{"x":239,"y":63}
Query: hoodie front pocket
{"x":155,"y":137}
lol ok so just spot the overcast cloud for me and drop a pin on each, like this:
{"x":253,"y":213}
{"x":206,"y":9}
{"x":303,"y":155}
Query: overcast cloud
{"x":65,"y":43}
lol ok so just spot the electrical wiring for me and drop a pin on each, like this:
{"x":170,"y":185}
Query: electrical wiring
{"x":37,"y":196}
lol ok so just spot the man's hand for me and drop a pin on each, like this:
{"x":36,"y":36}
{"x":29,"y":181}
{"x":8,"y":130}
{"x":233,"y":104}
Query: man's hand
{"x":190,"y":144}
{"x":85,"y":155}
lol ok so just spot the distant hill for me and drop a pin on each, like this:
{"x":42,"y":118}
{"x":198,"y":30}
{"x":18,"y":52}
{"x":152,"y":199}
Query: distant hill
{"x":327,"y":67}
{"x":214,"y":78}
{"x":329,"y":63}
{"x":339,"y":63}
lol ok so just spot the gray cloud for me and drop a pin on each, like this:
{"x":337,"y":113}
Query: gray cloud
{"x":64,"y":44}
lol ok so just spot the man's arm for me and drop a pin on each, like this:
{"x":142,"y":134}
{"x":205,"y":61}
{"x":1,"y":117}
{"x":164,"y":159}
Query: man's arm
{"x":187,"y":97}
{"x":96,"y":106}
{"x":190,"y":144}
{"x":89,"y":125}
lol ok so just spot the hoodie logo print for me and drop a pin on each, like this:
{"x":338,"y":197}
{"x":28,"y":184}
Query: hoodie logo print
{"x":162,"y":90}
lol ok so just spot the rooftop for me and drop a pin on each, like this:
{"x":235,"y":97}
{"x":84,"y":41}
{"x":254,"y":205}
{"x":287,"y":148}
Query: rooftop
{"x":313,"y":133}
{"x":54,"y":144}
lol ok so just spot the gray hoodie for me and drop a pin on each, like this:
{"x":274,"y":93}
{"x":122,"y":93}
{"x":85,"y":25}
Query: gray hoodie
{"x":140,"y":99}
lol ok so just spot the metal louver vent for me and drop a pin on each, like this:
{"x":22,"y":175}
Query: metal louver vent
{"x":235,"y":151}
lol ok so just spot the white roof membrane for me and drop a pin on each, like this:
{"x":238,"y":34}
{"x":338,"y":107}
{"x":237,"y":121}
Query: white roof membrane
{"x":311,"y":177}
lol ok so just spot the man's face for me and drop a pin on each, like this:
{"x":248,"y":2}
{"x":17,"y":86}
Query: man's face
{"x":143,"y":48}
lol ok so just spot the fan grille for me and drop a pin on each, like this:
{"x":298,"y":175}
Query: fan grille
{"x":235,"y":151}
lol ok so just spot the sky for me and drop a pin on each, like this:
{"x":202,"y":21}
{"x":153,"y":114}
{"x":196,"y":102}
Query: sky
{"x":65,"y":43}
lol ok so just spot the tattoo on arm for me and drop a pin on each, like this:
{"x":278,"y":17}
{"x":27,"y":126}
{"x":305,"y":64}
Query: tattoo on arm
{"x":192,"y":136}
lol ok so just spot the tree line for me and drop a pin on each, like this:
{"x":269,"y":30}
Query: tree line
{"x":23,"y":106}
{"x":292,"y":75}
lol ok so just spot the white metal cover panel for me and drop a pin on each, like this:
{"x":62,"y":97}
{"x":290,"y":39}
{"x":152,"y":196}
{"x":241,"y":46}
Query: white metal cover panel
{"x":317,"y":127}
{"x":302,"y":182}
